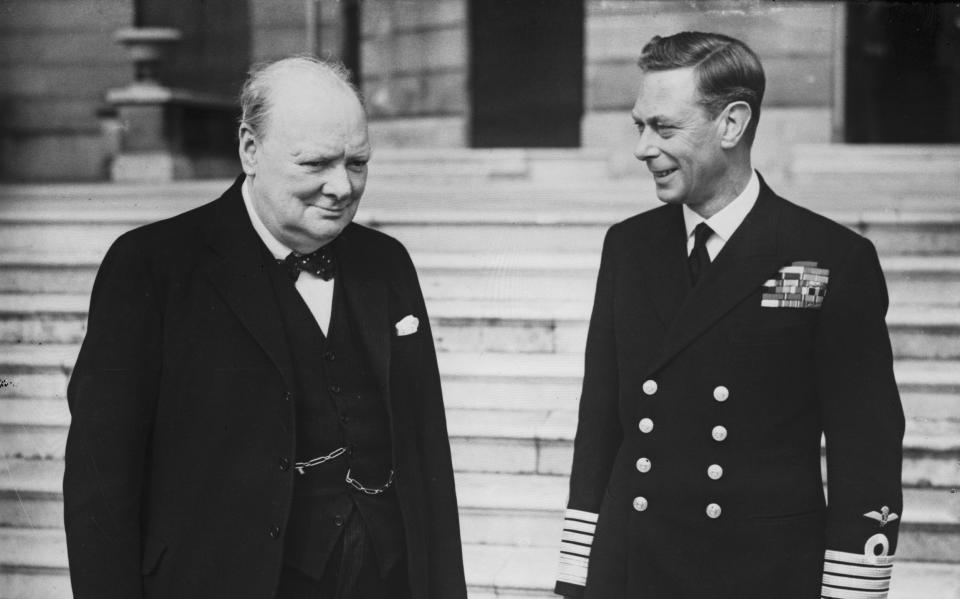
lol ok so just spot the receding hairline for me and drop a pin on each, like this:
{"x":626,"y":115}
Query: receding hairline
{"x":265,"y":80}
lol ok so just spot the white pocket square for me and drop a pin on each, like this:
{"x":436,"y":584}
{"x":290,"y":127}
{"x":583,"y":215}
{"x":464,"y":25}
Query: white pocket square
{"x":408,"y":325}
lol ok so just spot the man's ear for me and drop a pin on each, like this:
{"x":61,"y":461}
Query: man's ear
{"x":734,"y":121}
{"x":249,"y":145}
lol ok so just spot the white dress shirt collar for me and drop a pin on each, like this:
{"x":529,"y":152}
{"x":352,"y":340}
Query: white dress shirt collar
{"x":725,"y":222}
{"x":273,"y":244}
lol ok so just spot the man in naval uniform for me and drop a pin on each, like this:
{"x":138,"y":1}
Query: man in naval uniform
{"x":256,"y":405}
{"x":730,"y":329}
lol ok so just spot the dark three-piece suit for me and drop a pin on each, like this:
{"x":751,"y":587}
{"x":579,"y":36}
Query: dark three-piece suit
{"x":697,"y":464}
{"x":204,"y":380}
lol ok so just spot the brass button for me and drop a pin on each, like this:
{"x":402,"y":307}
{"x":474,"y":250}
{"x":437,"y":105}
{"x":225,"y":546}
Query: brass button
{"x":713,"y":511}
{"x":640,"y":503}
{"x":650,"y":386}
{"x":721,"y":393}
{"x":644,"y":465}
{"x":646,"y":425}
{"x":719,"y":433}
{"x":715,"y":471}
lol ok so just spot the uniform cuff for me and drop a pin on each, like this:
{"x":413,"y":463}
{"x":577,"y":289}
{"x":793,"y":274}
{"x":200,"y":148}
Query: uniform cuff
{"x":578,"y":529}
{"x":855,"y":575}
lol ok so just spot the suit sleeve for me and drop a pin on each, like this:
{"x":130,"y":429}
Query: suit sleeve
{"x":598,"y":437}
{"x":443,"y":523}
{"x":863,"y":424}
{"x":111,"y":395}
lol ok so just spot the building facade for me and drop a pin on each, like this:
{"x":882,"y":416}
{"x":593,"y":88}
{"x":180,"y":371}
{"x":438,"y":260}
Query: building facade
{"x":478,"y":73}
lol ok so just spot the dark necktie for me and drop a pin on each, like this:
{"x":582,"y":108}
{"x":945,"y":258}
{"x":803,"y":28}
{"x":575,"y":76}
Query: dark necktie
{"x":699,"y":259}
{"x":320,"y":263}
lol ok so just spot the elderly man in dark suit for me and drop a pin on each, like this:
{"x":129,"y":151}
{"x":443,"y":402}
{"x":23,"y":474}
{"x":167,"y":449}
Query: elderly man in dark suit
{"x":730,"y":330}
{"x":256,"y":405}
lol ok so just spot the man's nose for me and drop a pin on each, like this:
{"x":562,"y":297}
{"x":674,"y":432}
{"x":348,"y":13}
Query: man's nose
{"x":337,"y":183}
{"x":645,"y":148}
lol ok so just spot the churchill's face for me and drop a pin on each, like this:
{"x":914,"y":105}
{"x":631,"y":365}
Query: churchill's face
{"x":679,"y":141}
{"x":308,"y":167}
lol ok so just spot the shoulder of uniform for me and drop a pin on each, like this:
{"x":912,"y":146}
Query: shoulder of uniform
{"x":802,"y":226}
{"x":639,"y":226}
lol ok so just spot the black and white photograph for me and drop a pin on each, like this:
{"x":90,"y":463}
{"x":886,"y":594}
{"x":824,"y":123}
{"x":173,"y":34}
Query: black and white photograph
{"x":479,"y":299}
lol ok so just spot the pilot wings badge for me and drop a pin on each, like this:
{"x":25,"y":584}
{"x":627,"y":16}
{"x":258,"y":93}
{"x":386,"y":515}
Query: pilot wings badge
{"x":884,"y":516}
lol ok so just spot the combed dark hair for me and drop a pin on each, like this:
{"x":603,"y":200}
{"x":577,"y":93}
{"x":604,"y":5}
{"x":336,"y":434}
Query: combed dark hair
{"x":726,"y":69}
{"x":255,"y":95}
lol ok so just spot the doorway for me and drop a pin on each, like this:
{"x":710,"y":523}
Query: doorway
{"x":903,"y":73}
{"x":526,"y":73}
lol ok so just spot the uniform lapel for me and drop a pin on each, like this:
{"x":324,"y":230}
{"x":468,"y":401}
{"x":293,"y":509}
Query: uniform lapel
{"x":745,"y":262}
{"x":367,"y":299}
{"x":663,"y":261}
{"x":237,"y":267}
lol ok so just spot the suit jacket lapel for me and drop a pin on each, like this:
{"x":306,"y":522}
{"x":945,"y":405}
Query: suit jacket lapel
{"x":367,"y":296}
{"x":745,"y":262}
{"x":238,"y":270}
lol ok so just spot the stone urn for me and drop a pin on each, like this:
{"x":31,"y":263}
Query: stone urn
{"x":147,"y":47}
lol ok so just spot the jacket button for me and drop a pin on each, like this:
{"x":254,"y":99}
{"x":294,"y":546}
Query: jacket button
{"x":640,"y":503}
{"x":715,"y":471}
{"x":721,"y":393}
{"x":275,"y":532}
{"x":646,"y":425}
{"x":335,"y":388}
{"x":329,"y":356}
{"x":286,"y":396}
{"x":719,"y":433}
{"x":644,"y":465}
{"x":338,"y":520}
{"x":284,"y":464}
{"x":713,"y":511}
{"x":649,"y":386}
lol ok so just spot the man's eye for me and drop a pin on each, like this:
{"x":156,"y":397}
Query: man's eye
{"x":358,"y":165}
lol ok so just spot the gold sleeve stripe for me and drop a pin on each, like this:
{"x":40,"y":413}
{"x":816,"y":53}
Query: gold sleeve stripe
{"x":859,"y":584}
{"x":581,"y":515}
{"x":861,"y":571}
{"x":832,"y":593}
{"x":857,"y":558}
{"x":573,"y":570}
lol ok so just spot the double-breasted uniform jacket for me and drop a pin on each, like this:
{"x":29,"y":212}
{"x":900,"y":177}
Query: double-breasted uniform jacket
{"x":697,"y":461}
{"x":179,"y":458}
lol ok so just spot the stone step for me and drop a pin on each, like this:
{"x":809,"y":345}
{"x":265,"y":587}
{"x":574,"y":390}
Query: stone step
{"x":485,"y":275}
{"x":492,"y":571}
{"x":512,"y":440}
{"x":820,"y":176}
{"x":870,"y":167}
{"x":495,"y":508}
{"x":486,"y":326}
{"x":879,"y":159}
{"x":471,"y":380}
{"x":508,"y":231}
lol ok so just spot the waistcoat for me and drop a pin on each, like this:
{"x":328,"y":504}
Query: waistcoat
{"x":337,"y":403}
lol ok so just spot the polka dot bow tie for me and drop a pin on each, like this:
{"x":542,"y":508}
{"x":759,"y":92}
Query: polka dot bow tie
{"x":319,"y":263}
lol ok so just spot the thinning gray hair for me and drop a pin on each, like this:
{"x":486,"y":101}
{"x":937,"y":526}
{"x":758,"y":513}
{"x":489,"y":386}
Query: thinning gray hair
{"x":255,"y":103}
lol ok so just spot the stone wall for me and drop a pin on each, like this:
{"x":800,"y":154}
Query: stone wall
{"x":797,"y":42}
{"x":57,"y":58}
{"x":414,"y":57}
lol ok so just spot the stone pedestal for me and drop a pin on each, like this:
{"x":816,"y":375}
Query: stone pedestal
{"x":168,"y":133}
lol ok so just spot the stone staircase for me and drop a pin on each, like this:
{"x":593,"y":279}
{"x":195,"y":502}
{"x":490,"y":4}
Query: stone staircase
{"x":507,"y":246}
